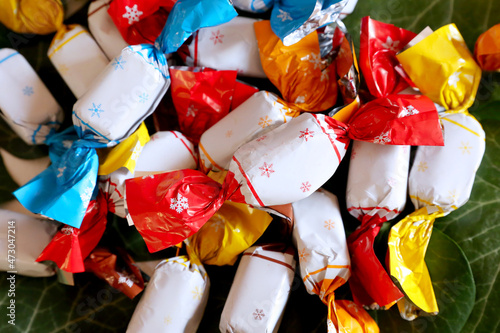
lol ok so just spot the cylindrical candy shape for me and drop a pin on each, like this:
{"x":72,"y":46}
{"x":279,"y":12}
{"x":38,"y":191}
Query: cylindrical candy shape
{"x":106,"y":114}
{"x":25,"y":102}
{"x":174,"y":299}
{"x":443,"y":176}
{"x":77,"y":58}
{"x":288,"y":163}
{"x":31,"y":236}
{"x":228,"y":46}
{"x":104,"y":30}
{"x":254,"y":117}
{"x":380,"y":190}
{"x":260,"y":290}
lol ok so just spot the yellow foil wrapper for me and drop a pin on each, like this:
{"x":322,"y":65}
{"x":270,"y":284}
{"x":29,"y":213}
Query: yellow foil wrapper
{"x":232,"y":230}
{"x":32,"y":16}
{"x":125,"y":154}
{"x":443,"y":68}
{"x":297,"y":70}
{"x":408,"y":242}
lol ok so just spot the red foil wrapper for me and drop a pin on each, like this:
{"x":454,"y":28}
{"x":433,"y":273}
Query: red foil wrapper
{"x":70,"y":246}
{"x":167,"y":208}
{"x":242,"y":92}
{"x":201,"y":96}
{"x":118,"y":271}
{"x":379,"y":43}
{"x":140,"y":22}
{"x":396,"y":120}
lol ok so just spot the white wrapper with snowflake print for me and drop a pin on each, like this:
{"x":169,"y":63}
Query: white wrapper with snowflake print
{"x":250,"y":120}
{"x":123,"y":95}
{"x":25,"y":102}
{"x":318,"y":235}
{"x":174,"y":300}
{"x":77,"y":57}
{"x":260,"y":290}
{"x":443,"y":176}
{"x":290,"y":163}
{"x":228,"y":46}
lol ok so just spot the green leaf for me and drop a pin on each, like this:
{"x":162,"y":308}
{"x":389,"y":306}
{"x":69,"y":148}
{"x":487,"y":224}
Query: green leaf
{"x":471,"y":17}
{"x":454,"y":287}
{"x":475,"y":227}
{"x":45,"y":305}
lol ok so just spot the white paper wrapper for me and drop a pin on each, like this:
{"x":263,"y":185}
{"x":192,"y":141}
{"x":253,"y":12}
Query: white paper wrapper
{"x":443,"y":176}
{"x":104,"y":30}
{"x":31,"y":235}
{"x":166,"y":151}
{"x":253,"y":6}
{"x":174,"y":299}
{"x":289,"y":163}
{"x":377,"y":180}
{"x":229,"y":46}
{"x":25,"y":102}
{"x":318,"y":235}
{"x":348,"y":9}
{"x":259,"y":291}
{"x":253,"y":118}
{"x":77,"y":58}
{"x":122,"y":96}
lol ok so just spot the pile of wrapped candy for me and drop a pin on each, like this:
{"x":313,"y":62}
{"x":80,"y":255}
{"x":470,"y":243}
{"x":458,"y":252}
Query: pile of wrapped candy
{"x":227,"y":158}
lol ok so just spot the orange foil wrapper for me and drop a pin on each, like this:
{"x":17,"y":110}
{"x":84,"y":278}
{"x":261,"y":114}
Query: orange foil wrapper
{"x":487,"y":49}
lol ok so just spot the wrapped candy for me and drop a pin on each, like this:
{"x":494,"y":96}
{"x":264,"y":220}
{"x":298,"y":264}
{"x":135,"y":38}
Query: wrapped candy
{"x":293,"y":20}
{"x":312,"y":84}
{"x":252,"y":119}
{"x":175,"y":298}
{"x":70,"y":246}
{"x":119,"y":271}
{"x":201,"y":96}
{"x":104,"y":30}
{"x":25,"y":102}
{"x":440,"y":181}
{"x":31,"y":235}
{"x":32,"y":17}
{"x":254,"y":6}
{"x":232,"y":230}
{"x":140,"y":21}
{"x":228,"y":46}
{"x":242,"y":92}
{"x":373,"y":197}
{"x":318,"y":235}
{"x":260,"y":290}
{"x":487,"y":49}
{"x":288,"y":164}
{"x":77,"y":57}
{"x":149,"y":160}
{"x":453,"y":86}
{"x":187,"y":16}
{"x":379,"y":43}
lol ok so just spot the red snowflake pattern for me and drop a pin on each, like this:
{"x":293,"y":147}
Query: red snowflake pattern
{"x":261,"y":138}
{"x":307,"y":134}
{"x":306,"y":187}
{"x":267,"y":169}
{"x":217,"y":37}
{"x":258,"y":314}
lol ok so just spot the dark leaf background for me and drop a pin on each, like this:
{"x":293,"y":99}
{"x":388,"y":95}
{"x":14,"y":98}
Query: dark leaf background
{"x":463,"y":254}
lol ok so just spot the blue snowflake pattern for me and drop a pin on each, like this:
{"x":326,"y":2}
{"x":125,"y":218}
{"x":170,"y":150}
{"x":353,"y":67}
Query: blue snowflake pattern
{"x":118,"y":63}
{"x":143,"y":97}
{"x":28,"y":91}
{"x":96,"y":110}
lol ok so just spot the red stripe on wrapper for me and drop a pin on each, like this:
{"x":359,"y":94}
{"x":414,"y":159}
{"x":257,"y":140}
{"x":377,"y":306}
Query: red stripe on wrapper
{"x":249,"y":184}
